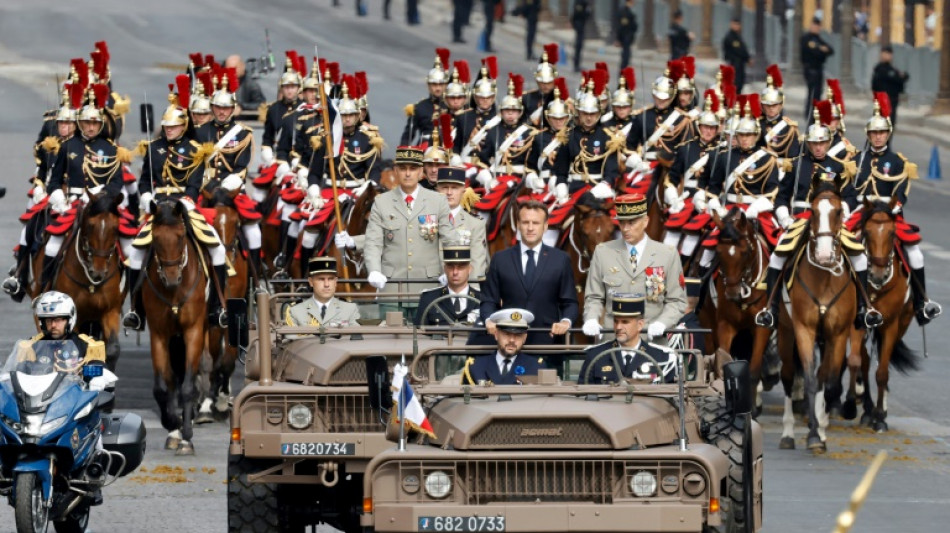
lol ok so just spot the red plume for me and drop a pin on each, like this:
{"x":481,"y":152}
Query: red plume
{"x":491,"y":63}
{"x":302,"y":65}
{"x":676,"y":69}
{"x":729,"y":95}
{"x":838,"y":95}
{"x":713,"y":99}
{"x":773,"y":70}
{"x":232,"y":79}
{"x":101,"y":91}
{"x":585,"y":76}
{"x":444,"y":55}
{"x":207,"y":85}
{"x":629,"y":77}
{"x":824,"y":111}
{"x":103,"y":48}
{"x":82,"y":69}
{"x":602,"y":65}
{"x":689,"y":66}
{"x":728,"y":74}
{"x":75,"y":95}
{"x":209,"y":60}
{"x":334,"y":72}
{"x":350,"y":83}
{"x":754,"y":106}
{"x":518,"y":81}
{"x":183,"y":81}
{"x":445,"y":125}
{"x":363,"y":82}
{"x":885,"y":102}
{"x":99,"y":65}
{"x":551,"y":50}
{"x":600,"y":80}
{"x":465,"y":75}
{"x":197,"y":59}
{"x":322,"y":66}
{"x":561,"y":85}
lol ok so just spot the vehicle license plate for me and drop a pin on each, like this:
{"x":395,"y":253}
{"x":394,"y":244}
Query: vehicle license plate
{"x":317,"y":448}
{"x":462,"y":524}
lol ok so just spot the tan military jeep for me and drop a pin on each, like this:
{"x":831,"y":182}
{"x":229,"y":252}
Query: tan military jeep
{"x":551,"y":455}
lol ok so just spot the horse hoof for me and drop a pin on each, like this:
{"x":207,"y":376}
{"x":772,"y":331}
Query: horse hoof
{"x":172,"y":443}
{"x":834,"y":412}
{"x":849,"y":411}
{"x":880,"y":426}
{"x":787,"y":443}
{"x":185,"y":448}
{"x":817,"y":446}
{"x":866,"y":419}
{"x":204,"y":418}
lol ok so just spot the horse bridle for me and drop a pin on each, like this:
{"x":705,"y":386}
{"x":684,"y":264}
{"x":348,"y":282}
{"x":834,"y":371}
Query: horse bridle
{"x":886,"y":262}
{"x":747,"y":279}
{"x":180,"y":262}
{"x":581,"y":250}
{"x":836,"y":250}
{"x":85,"y":253}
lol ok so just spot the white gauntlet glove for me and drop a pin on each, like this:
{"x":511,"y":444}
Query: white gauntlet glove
{"x":560,"y":193}
{"x":759,"y":205}
{"x":39,"y":193}
{"x":267,"y":156}
{"x":57,"y":201}
{"x":377,"y":279}
{"x":343,"y":240}
{"x":591,"y":328}
{"x":715,"y":206}
{"x":670,"y":196}
{"x":699,"y":201}
{"x":602,"y":191}
{"x":145,"y":202}
{"x":633,"y":162}
{"x":283,"y":170}
{"x":656,"y":329}
{"x":485,"y":178}
{"x":233,"y":182}
{"x":533,"y":182}
{"x":784,"y":219}
{"x":303,"y":175}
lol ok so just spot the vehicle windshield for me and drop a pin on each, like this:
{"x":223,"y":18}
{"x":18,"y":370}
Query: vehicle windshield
{"x":42,"y":357}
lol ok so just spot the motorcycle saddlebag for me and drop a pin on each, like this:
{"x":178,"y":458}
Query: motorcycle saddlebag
{"x":124,"y":433}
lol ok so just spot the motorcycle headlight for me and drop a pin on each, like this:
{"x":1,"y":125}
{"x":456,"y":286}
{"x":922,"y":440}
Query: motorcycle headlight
{"x":438,"y":484}
{"x":299,"y":416}
{"x":643,"y":484}
{"x":84,"y":411}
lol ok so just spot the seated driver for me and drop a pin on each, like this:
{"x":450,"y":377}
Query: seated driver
{"x":323,"y":309}
{"x":508,"y":363}
{"x":627,"y":362}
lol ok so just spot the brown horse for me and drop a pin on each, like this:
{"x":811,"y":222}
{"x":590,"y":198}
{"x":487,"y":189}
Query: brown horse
{"x":823,"y":305}
{"x":173,"y":294}
{"x":890,"y":293}
{"x":91,"y":272}
{"x":743,"y":257}
{"x":223,"y":356}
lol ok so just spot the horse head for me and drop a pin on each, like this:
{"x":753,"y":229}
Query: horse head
{"x":593,"y":224}
{"x":99,"y":233}
{"x":169,"y":243}
{"x":879,"y":226}
{"x":737,"y":254}
{"x":826,"y":221}
{"x":226,"y":220}
{"x":359,"y":215}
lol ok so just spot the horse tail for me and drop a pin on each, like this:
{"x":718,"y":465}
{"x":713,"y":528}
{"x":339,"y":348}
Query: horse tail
{"x":903,"y":358}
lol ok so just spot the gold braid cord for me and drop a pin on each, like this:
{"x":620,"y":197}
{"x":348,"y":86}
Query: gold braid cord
{"x":753,"y":182}
{"x":51,"y":144}
{"x":189,"y":165}
{"x":512,"y":152}
{"x":349,"y":158}
{"x":782,"y":145}
{"x":469,"y":199}
{"x":583,"y":159}
{"x":96,"y":172}
{"x":235,"y":151}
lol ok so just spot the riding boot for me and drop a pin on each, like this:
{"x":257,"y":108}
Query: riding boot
{"x":217,"y":316}
{"x":49,"y":270}
{"x":282,"y":260}
{"x":305,"y":254}
{"x":925,"y":309}
{"x":16,"y":284}
{"x":257,"y":268}
{"x":135,"y":318}
{"x":768,"y":316}
{"x":133,"y":206}
{"x":684,"y":259}
{"x":867,"y":317}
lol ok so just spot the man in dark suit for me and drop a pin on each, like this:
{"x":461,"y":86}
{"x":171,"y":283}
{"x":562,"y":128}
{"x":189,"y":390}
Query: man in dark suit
{"x":626,"y":32}
{"x":735,"y":52}
{"x":583,"y":10}
{"x":887,"y":79}
{"x":529,"y":9}
{"x":680,"y":37}
{"x":507,"y":364}
{"x":814,"y":52}
{"x":457,"y":261}
{"x":533,"y":276}
{"x":627,"y":362}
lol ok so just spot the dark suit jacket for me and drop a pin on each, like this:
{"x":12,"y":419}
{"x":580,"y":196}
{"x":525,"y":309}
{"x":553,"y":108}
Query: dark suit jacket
{"x":436,"y":318}
{"x":485,"y":367}
{"x":551,"y":297}
{"x":605,"y":369}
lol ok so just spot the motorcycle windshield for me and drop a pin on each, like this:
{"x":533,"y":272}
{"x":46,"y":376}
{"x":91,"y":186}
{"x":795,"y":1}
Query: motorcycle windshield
{"x":43,"y":370}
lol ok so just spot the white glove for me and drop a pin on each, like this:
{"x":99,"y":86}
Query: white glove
{"x":484,"y":177}
{"x":145,"y":202}
{"x":377,"y":279}
{"x":552,"y":183}
{"x":313,"y":192}
{"x":470,"y":172}
{"x":602,"y":191}
{"x":187,"y":202}
{"x":759,"y":205}
{"x":343,"y":240}
{"x":233,"y":182}
{"x":267,"y":156}
{"x":303,"y":175}
{"x":591,"y":328}
{"x":656,"y":329}
{"x":752,"y":211}
{"x":714,"y":205}
{"x":633,"y":161}
{"x":784,"y":219}
{"x":357,"y":192}
{"x":533,"y":182}
{"x":283,"y":170}
{"x":38,"y":194}
{"x":670,"y":196}
{"x":897,"y":208}
{"x":677,"y":206}
{"x":294,"y":162}
{"x":443,"y":279}
{"x":560,"y":193}
{"x":699,"y":201}
{"x":57,"y":201}
{"x":101,"y":383}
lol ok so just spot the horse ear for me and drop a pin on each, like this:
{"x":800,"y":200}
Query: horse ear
{"x":582,"y":208}
{"x":116,"y":202}
{"x":152,"y":206}
{"x":233,"y":194}
{"x":179,"y":210}
{"x":867,"y":203}
{"x":890,"y":205}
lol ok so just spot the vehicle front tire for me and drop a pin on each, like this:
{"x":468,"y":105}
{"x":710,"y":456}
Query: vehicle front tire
{"x":32,"y":515}
{"x":252,"y":507}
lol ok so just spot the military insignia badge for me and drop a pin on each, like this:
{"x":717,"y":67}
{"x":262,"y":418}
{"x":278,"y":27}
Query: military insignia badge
{"x":389,"y":236}
{"x":607,"y":368}
{"x":516,"y":316}
{"x":428,"y":227}
{"x":465,"y":236}
{"x":655,"y":282}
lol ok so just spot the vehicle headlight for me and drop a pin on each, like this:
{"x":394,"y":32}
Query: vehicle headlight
{"x":438,"y":484}
{"x":643,"y":484}
{"x":299,"y":416}
{"x":694,"y":484}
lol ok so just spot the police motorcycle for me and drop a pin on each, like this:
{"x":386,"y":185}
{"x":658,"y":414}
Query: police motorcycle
{"x":57,"y":448}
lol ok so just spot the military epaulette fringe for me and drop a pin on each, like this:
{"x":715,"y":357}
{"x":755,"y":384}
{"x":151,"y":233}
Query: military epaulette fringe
{"x":616,"y":143}
{"x":562,"y":136}
{"x":141,"y":147}
{"x":262,"y":112}
{"x":203,"y":152}
{"x":316,"y":142}
{"x":95,"y":349}
{"x":909,"y":168}
{"x":469,"y":199}
{"x":410,"y":109}
{"x":376,"y":140}
{"x":787,"y":164}
{"x":122,"y":105}
{"x":51,"y":144}
{"x":124,"y":155}
{"x":791,"y":122}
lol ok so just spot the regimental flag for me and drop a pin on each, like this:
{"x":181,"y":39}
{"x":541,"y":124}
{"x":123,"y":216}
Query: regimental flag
{"x":410,"y":407}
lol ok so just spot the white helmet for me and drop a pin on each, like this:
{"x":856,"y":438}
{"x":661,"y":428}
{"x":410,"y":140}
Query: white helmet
{"x":54,"y":304}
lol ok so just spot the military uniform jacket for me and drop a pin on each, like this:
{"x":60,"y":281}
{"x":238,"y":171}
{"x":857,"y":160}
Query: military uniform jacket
{"x":280,"y":118}
{"x":404,"y":244}
{"x":44,"y":151}
{"x":675,"y":131}
{"x":309,"y":144}
{"x":658,"y":278}
{"x":626,"y":26}
{"x":814,"y":51}
{"x":175,"y":167}
{"x":734,"y":49}
{"x":610,"y":367}
{"x":889,"y":80}
{"x":234,"y":156}
{"x":885,"y":174}
{"x":295,"y":141}
{"x":588,"y":158}
{"x":783,"y":143}
{"x":471,"y":232}
{"x":759,"y":178}
{"x":485,"y":368}
{"x":804,"y":172}
{"x":841,"y":148}
{"x":307,"y":313}
{"x":419,"y":125}
{"x":86,"y":163}
{"x":467,"y":123}
{"x":469,"y":313}
{"x":679,"y":41}
{"x":519,"y":158}
{"x":547,"y":144}
{"x":360,"y":159}
{"x":687,"y":165}
{"x":534,"y":100}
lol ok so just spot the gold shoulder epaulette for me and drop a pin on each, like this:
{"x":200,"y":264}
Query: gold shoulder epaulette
{"x":122,"y":105}
{"x":909,"y":168}
{"x":262,"y":112}
{"x":791,"y":122}
{"x":51,"y":144}
{"x":124,"y":155}
{"x":289,"y":320}
{"x":316,"y":142}
{"x":410,"y":109}
{"x":95,"y":349}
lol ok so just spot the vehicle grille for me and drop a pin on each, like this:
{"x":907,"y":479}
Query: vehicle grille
{"x":336,"y":413}
{"x":353,"y":372}
{"x":532,"y":433}
{"x":547,"y":481}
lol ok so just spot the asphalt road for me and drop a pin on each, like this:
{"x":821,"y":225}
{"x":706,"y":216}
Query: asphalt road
{"x":802,"y":492}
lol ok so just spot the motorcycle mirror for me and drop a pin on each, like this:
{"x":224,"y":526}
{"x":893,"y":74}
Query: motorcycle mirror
{"x":146,"y":116}
{"x":377,"y":375}
{"x":237,"y":322}
{"x":735,"y":376}
{"x":105,"y":400}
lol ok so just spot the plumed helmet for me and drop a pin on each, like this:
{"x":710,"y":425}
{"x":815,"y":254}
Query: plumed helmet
{"x":96,"y":97}
{"x":455,"y":88}
{"x":435,"y":153}
{"x":438,"y":73}
{"x":664,"y":88}
{"x":749,"y":123}
{"x":558,"y":107}
{"x":773,"y":94}
{"x":313,"y":80}
{"x":292,"y":73}
{"x":588,"y":102}
{"x":347,"y":105}
{"x":225,"y":96}
{"x":817,"y":132}
{"x":54,"y":304}
{"x":881,"y":118}
{"x":177,"y":112}
{"x":546,"y":71}
{"x":710,"y":114}
{"x":512,"y":100}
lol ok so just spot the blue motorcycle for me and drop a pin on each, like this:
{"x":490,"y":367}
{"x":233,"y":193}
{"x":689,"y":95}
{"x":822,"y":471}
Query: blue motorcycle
{"x":57,"y":451}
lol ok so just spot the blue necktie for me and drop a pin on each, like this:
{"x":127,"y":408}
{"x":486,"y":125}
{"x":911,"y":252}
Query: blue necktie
{"x":633,"y":257}
{"x":529,"y":268}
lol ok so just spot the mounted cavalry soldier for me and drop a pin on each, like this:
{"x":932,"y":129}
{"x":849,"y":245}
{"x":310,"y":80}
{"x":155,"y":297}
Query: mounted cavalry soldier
{"x":508,"y":149}
{"x":173,"y":169}
{"x":472,"y":125}
{"x":660,"y":128}
{"x":537,"y":100}
{"x":419,"y":122}
{"x":811,"y":170}
{"x":620,"y":117}
{"x":199,"y":108}
{"x":362,"y":147}
{"x":841,"y":147}
{"x":456,"y":92}
{"x":885,"y":175}
{"x":684,"y":191}
{"x":552,"y":138}
{"x":226,"y":166}
{"x":280,"y":114}
{"x":686,"y":87}
{"x":779,"y":133}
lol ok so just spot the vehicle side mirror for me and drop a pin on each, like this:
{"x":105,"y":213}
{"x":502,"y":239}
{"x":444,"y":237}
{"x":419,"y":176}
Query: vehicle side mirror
{"x":735,"y":376}
{"x":146,"y":117}
{"x":377,"y":377}
{"x":237,"y":322}
{"x":105,"y":401}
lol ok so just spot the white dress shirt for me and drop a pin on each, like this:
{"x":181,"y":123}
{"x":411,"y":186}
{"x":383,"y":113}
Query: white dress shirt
{"x":524,"y":256}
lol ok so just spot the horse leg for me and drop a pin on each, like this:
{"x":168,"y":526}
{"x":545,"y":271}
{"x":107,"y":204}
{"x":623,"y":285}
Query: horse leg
{"x":805,"y":343}
{"x":164,"y":391}
{"x":194,"y":346}
{"x":110,"y":334}
{"x":849,"y":410}
{"x":225,"y":371}
{"x":206,"y":379}
{"x":787,"y":352}
{"x":885,"y":348}
{"x":760,"y":340}
{"x":863,"y":387}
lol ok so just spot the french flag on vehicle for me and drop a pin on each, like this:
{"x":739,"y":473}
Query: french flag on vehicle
{"x":409,"y":406}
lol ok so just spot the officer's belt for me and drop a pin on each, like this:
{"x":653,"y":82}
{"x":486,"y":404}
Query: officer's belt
{"x":545,"y":173}
{"x":741,"y":198}
{"x":169,"y":190}
{"x":691,"y":183}
{"x":583,"y":177}
{"x":508,"y":169}
{"x":327,"y":182}
{"x":801,"y":204}
{"x":77,"y":191}
{"x":885,"y":199}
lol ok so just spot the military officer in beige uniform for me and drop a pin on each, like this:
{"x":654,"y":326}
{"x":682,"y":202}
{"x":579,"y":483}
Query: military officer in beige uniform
{"x":634,"y":264}
{"x":406,"y":227}
{"x":323,"y":309}
{"x":470,"y":228}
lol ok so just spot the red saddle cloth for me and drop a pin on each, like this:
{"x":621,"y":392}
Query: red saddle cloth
{"x":127,"y":176}
{"x":492,"y":198}
{"x":265,"y":176}
{"x":31,"y":212}
{"x":906,"y":232}
{"x":768,"y":228}
{"x":246,"y":209}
